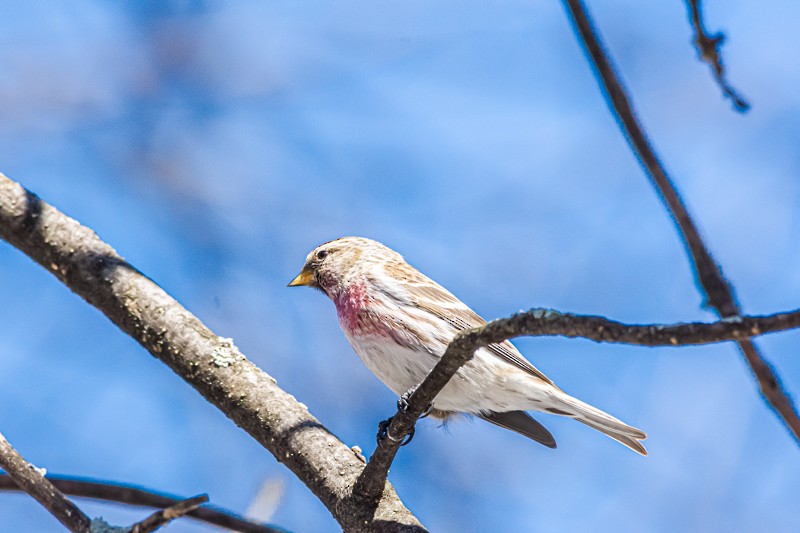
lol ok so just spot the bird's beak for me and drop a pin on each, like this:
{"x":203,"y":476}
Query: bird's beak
{"x":304,"y":278}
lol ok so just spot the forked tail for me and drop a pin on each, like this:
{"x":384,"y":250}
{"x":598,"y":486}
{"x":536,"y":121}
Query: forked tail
{"x":604,"y":422}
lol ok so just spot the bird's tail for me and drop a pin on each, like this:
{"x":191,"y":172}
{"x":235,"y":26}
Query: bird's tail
{"x":603,"y":422}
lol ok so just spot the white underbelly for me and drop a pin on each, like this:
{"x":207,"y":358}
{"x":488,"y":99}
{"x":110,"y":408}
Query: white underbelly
{"x":484,"y":384}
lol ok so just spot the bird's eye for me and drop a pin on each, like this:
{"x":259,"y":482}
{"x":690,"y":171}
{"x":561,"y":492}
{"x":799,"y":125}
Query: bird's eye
{"x":322,"y":254}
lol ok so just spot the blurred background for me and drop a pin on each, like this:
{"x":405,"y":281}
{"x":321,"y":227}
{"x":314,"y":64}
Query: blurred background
{"x":214,"y":144}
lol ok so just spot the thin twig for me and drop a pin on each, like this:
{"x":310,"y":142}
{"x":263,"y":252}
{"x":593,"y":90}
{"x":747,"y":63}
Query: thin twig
{"x":32,"y":481}
{"x":718,"y":291}
{"x":708,"y":49}
{"x":213,"y":365}
{"x":549,"y":323}
{"x":141,"y":497}
{"x":545,"y":322}
{"x":165,"y":516}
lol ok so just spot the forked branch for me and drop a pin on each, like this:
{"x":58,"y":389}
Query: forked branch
{"x":718,"y":290}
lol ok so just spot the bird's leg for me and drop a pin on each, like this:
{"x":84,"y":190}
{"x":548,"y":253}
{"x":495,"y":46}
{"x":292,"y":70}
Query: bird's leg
{"x":402,"y":403}
{"x":383,"y":433}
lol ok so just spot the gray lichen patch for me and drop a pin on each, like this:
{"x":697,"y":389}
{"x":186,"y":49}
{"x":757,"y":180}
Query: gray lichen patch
{"x":226,"y":353}
{"x":99,"y":525}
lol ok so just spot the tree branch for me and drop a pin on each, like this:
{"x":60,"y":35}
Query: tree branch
{"x":550,"y":323}
{"x":708,"y":49}
{"x":32,"y":481}
{"x":209,"y":363}
{"x":130,"y":495}
{"x":718,"y":291}
{"x":216,"y":368}
{"x":163,"y":517}
{"x":546,"y":322}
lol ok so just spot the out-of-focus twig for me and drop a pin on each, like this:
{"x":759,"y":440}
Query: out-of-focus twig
{"x":708,"y":49}
{"x":32,"y":481}
{"x":266,"y":501}
{"x":718,"y":291}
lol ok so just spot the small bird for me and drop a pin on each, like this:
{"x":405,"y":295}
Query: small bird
{"x":400,"y":322}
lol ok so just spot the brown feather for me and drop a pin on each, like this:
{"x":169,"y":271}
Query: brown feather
{"x":430,"y":296}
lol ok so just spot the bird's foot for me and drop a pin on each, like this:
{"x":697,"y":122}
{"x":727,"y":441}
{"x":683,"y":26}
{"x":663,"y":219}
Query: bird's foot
{"x":383,"y":433}
{"x":403,"y":405}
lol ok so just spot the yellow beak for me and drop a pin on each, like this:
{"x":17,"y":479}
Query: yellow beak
{"x":305,"y":277}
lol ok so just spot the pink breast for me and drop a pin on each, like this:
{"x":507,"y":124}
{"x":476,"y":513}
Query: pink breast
{"x":356,"y":310}
{"x":366,"y":320}
{"x":351,"y":305}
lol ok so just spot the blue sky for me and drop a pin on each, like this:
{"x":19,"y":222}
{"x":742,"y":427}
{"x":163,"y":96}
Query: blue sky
{"x":214,"y":144}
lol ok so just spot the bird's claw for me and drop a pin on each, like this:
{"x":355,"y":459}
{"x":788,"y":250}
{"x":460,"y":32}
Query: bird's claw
{"x":403,"y":405}
{"x":383,"y":433}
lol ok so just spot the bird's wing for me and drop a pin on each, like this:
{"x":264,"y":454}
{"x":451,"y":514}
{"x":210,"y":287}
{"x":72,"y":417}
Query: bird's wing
{"x":522,"y":423}
{"x":429,"y":296}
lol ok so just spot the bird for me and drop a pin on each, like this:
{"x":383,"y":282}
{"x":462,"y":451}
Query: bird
{"x":399,"y":322}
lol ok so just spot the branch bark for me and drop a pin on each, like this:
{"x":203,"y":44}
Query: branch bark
{"x":360,"y":499}
{"x":130,"y":495}
{"x":32,"y":481}
{"x":209,"y":363}
{"x":718,"y":291}
{"x":163,"y":517}
{"x":708,"y":49}
{"x":547,"y":322}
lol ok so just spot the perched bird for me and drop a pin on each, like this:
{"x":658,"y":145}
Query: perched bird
{"x":400,"y":322}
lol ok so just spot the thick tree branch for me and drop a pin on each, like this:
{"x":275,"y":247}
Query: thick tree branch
{"x":546,"y":322}
{"x":130,"y":495}
{"x":223,"y":375}
{"x":32,"y":481}
{"x":708,"y":48}
{"x":718,"y":291}
{"x":209,"y":363}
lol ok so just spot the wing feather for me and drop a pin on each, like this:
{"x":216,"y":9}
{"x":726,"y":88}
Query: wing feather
{"x":429,"y":296}
{"x":522,"y":423}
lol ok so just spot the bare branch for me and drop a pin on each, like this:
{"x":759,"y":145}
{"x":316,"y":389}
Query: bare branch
{"x":32,"y":481}
{"x":708,"y":48}
{"x":163,"y":517}
{"x":209,"y":363}
{"x":130,"y":495}
{"x":546,"y":322}
{"x":718,"y":291}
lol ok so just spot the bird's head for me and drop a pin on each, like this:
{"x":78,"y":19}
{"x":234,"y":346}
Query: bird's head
{"x":331,"y":267}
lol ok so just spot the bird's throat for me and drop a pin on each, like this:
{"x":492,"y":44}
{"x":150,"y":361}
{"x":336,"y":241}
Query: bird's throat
{"x":365,"y":318}
{"x":350,"y":305}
